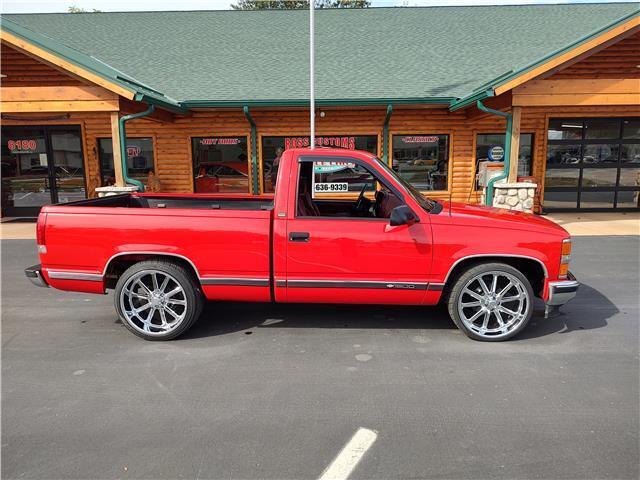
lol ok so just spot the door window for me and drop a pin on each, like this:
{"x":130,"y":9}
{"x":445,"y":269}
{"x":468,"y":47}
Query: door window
{"x":25,"y":168}
{"x":342,"y":189}
{"x":220,"y":164}
{"x":66,"y":148}
{"x":41,"y":165}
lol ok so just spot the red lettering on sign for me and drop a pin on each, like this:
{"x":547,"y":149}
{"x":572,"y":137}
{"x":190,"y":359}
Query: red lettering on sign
{"x":22,"y":145}
{"x":420,"y":139}
{"x":338,"y":142}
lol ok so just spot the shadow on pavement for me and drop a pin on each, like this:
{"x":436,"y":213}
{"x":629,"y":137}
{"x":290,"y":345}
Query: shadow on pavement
{"x":223,"y":318}
{"x":589,"y":310}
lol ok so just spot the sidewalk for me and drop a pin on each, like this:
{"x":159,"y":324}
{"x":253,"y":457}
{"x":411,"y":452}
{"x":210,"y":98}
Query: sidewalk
{"x":577,"y":224}
{"x":604,"y":224}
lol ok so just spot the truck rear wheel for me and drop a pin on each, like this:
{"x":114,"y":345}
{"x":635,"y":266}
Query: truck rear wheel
{"x":158,"y":299}
{"x":491,"y":302}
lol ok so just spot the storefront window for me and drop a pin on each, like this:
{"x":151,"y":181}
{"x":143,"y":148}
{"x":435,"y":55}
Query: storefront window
{"x":422,"y":160}
{"x":220,"y":164}
{"x":273,"y":147}
{"x":139,"y":160}
{"x":490,"y":147}
{"x":595,"y":166}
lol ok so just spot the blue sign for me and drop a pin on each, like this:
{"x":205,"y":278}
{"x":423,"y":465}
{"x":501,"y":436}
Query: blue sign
{"x":496,"y":153}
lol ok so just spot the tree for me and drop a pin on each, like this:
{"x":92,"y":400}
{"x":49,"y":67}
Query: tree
{"x":297,"y":4}
{"x":74,"y":9}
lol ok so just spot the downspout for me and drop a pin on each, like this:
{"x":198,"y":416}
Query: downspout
{"x":507,"y":149}
{"x":385,"y":135}
{"x":254,"y":150}
{"x":123,"y":144}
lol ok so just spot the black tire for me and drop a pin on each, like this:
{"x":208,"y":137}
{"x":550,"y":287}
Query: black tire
{"x":468,"y":279}
{"x":190,"y":298}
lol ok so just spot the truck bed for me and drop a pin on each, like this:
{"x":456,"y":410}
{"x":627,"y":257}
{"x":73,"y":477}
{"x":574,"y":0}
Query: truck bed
{"x":184,"y":201}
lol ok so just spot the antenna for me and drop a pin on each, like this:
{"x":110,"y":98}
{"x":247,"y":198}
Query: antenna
{"x":312,"y":109}
{"x":450,"y":196}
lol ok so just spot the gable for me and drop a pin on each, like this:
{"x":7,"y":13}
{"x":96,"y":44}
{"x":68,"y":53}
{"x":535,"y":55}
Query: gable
{"x":620,"y":60}
{"x":20,"y":70}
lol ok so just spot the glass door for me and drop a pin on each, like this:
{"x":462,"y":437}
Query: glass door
{"x":26,"y":184}
{"x":68,"y":164}
{"x":40,"y":166}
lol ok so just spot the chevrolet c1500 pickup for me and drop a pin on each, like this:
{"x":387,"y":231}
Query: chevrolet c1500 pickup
{"x":342,"y":227}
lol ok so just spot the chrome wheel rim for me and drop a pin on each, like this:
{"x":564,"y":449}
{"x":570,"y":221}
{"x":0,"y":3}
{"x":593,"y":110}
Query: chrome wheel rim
{"x":153,"y":302}
{"x":493,"y":304}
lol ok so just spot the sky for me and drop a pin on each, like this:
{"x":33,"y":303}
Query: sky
{"x":40,"y":6}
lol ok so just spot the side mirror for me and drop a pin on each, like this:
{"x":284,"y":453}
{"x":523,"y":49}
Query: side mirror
{"x":402,"y":215}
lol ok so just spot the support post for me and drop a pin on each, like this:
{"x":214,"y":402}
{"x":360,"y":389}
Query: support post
{"x":117,"y":152}
{"x":255,"y":170}
{"x":385,"y":135}
{"x":516,"y":113}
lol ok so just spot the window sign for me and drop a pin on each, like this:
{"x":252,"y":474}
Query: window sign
{"x":273,"y":147}
{"x":139,"y":153}
{"x":220,"y":164}
{"x":496,"y":153}
{"x":422,"y":160}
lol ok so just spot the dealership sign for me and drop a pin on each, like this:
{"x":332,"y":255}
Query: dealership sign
{"x":420,"y":139}
{"x":219,"y":141}
{"x":338,"y":142}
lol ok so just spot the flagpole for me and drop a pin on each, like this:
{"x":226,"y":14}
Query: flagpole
{"x":312,"y":117}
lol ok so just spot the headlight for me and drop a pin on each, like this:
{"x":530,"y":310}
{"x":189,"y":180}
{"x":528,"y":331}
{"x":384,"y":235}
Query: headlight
{"x":565,"y":258}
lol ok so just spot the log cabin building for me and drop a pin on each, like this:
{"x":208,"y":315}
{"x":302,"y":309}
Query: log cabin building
{"x":207,"y":101}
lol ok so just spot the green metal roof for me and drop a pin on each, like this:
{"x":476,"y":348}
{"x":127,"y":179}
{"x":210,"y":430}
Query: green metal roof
{"x":375,"y":55}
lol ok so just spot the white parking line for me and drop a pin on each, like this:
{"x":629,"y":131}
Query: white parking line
{"x":350,"y":455}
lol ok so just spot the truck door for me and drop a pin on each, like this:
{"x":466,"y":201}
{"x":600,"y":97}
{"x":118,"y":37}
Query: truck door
{"x":340,"y":246}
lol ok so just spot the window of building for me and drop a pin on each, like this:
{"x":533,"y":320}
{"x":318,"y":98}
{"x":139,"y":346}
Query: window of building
{"x":422,"y":160}
{"x":342,"y":189}
{"x":273,"y":147}
{"x":487,"y":144}
{"x":139,"y":159}
{"x":220,"y":164}
{"x":593,"y":163}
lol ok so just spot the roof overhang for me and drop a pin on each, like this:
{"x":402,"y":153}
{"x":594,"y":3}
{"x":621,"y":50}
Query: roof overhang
{"x":512,"y":79}
{"x":82,"y":66}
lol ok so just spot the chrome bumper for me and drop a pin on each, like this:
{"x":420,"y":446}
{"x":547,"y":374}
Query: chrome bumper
{"x":562,"y":291}
{"x":35,"y":275}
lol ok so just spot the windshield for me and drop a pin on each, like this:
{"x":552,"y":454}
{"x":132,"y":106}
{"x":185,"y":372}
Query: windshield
{"x":426,"y":203}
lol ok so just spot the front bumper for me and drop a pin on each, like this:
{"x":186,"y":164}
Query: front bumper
{"x":562,"y":291}
{"x":35,"y":275}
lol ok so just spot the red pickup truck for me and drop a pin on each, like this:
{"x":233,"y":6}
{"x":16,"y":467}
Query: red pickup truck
{"x":342,"y":227}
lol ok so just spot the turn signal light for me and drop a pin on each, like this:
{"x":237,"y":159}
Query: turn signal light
{"x":564,"y":270}
{"x":564,"y":259}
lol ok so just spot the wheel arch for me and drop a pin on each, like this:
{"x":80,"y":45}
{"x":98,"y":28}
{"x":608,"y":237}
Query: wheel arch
{"x":532,"y":268}
{"x":119,"y":262}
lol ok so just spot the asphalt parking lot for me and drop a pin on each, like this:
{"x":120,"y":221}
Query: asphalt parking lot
{"x":267,"y":391}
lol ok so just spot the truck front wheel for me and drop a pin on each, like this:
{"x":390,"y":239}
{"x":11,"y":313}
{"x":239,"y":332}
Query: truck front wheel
{"x":491,"y":302}
{"x":158,"y":299}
